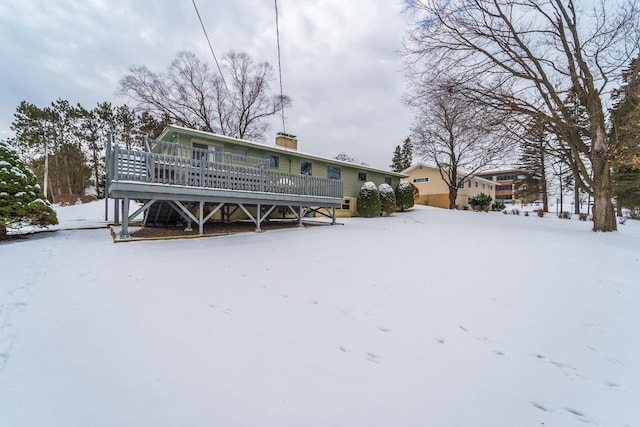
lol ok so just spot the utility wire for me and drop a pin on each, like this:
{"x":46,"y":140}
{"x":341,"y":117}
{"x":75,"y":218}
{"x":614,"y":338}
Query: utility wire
{"x":211,"y":49}
{"x":279,"y":66}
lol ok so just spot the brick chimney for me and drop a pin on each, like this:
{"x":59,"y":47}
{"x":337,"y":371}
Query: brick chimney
{"x":287,"y":141}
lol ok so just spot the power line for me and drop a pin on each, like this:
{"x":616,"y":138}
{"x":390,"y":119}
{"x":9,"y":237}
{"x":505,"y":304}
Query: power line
{"x":279,"y":66}
{"x":211,"y":49}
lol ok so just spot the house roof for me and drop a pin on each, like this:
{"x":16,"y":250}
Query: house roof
{"x":274,"y":148}
{"x":462,"y":173}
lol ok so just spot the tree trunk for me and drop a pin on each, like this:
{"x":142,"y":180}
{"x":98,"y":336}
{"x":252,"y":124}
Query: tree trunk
{"x":576,"y":194}
{"x":3,"y":231}
{"x":45,"y":184}
{"x":453,"y":194}
{"x":604,"y":218}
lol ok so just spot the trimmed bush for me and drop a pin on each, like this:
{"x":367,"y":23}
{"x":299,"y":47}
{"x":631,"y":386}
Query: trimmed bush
{"x":482,"y":200}
{"x":368,"y":204}
{"x":387,"y":199}
{"x":21,"y":200}
{"x":405,"y":195}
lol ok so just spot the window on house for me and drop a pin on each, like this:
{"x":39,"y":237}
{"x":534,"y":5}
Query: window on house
{"x":476,"y":184}
{"x":241,"y":151}
{"x":346,"y":204}
{"x":362,"y":176}
{"x":333,"y":172}
{"x":469,"y":184}
{"x":422,"y":179}
{"x":274,"y":161}
{"x":387,"y":180}
{"x":199,"y":151}
{"x":305,"y":168}
{"x":483,"y":186}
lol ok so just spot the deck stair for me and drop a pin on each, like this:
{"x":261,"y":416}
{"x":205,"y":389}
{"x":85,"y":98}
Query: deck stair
{"x":161,"y":214}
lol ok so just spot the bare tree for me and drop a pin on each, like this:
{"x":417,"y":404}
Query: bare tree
{"x":455,"y":133}
{"x":191,"y":94}
{"x":525,"y":56}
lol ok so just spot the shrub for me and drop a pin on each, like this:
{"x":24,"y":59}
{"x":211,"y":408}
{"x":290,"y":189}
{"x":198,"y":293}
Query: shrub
{"x":526,"y":213}
{"x":387,"y":199}
{"x":565,"y":215}
{"x":405,"y":195}
{"x":540,"y":213}
{"x":21,"y":199}
{"x":584,"y":217}
{"x":515,"y":211}
{"x":368,"y":203}
{"x":482,"y":200}
{"x":498,"y":206}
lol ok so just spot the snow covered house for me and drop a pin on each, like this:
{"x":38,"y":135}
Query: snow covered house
{"x":433,"y":191}
{"x":199,"y":176}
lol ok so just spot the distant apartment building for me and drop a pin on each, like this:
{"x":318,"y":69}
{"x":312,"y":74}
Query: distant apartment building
{"x":506,"y":183}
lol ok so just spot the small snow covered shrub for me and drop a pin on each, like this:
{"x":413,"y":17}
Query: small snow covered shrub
{"x":526,"y":213}
{"x":480,"y":202}
{"x":405,"y":195}
{"x":584,"y":217}
{"x":498,"y":206}
{"x":515,"y":211}
{"x":368,"y":203}
{"x":540,"y":213}
{"x":565,"y":215}
{"x":21,"y":199}
{"x":387,"y":199}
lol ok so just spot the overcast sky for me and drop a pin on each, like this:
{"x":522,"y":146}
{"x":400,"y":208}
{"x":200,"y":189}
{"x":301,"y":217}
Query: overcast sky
{"x":340,"y":59}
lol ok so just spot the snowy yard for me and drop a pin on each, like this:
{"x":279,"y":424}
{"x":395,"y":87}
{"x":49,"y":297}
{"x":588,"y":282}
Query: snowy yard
{"x":427,"y":318}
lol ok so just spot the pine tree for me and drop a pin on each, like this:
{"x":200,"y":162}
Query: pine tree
{"x":396,"y":162}
{"x":21,"y":199}
{"x":625,"y":132}
{"x":533,"y":158}
{"x":407,"y":154}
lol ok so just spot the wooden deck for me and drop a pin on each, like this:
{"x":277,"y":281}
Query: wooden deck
{"x":191,"y":183}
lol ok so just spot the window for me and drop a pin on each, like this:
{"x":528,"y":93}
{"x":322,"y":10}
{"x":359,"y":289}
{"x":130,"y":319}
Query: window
{"x":422,"y":179}
{"x":491,"y":187}
{"x":469,"y":184}
{"x":476,"y":184}
{"x":333,"y":172}
{"x":199,"y":151}
{"x":274,"y":161}
{"x":241,"y":151}
{"x":387,"y":180}
{"x":346,"y":204}
{"x":362,"y":176}
{"x":305,"y":168}
{"x":483,"y":186}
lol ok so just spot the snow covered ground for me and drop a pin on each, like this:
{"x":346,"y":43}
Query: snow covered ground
{"x":427,"y":318}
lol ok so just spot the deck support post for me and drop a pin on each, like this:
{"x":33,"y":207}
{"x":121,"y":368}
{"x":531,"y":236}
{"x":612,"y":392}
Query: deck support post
{"x":258,"y":218}
{"x":116,"y":211}
{"x":200,"y":221}
{"x":124,"y":232}
{"x":333,"y":216}
{"x":300,"y":216}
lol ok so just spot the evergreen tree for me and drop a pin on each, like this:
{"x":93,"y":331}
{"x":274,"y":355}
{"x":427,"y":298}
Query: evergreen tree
{"x":405,"y":195}
{"x":402,"y":156}
{"x":396,"y":161}
{"x":387,"y":199}
{"x":21,"y":199}
{"x":368,"y":203}
{"x":533,"y":159}
{"x":625,"y":132}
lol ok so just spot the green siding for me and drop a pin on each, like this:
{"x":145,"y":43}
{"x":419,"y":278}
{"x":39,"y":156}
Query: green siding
{"x":288,"y":161}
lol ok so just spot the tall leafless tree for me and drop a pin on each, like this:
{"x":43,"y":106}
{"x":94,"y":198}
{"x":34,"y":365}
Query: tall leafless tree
{"x":525,"y":56}
{"x":457,"y":135}
{"x":191,"y":94}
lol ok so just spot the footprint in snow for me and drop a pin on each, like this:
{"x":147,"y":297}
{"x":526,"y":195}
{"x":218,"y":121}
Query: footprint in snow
{"x":540,"y":406}
{"x":344,"y":349}
{"x":381,"y":329}
{"x":463,"y":328}
{"x":372,"y":357}
{"x":440,"y":340}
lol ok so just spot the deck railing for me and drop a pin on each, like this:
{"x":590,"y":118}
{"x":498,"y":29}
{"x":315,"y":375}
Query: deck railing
{"x":142,"y":166}
{"x":176,"y":149}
